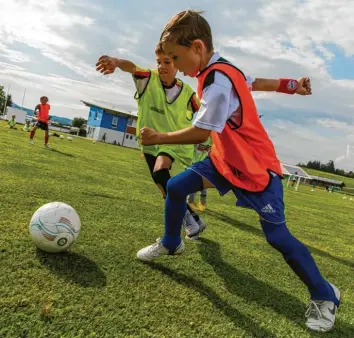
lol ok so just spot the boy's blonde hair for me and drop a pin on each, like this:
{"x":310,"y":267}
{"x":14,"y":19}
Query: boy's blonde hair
{"x":185,"y":27}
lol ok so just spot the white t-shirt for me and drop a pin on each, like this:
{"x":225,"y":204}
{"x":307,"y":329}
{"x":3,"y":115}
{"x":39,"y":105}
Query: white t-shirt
{"x":219,"y":102}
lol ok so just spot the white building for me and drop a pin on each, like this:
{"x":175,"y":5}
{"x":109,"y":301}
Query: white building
{"x":20,"y":115}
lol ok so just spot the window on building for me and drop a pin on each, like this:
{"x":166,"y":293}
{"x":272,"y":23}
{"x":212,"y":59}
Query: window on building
{"x":131,"y":137}
{"x":127,"y":136}
{"x":114,"y":121}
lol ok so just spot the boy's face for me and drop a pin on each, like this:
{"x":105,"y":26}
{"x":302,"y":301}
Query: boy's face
{"x":166,"y":68}
{"x":44,"y":100}
{"x":186,"y":59}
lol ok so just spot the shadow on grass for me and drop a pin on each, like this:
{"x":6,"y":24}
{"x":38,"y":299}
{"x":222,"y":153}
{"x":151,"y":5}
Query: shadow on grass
{"x":249,"y":288}
{"x":238,"y":318}
{"x":256,"y":291}
{"x":74,"y":268}
{"x":259,"y":232}
{"x":60,"y":152}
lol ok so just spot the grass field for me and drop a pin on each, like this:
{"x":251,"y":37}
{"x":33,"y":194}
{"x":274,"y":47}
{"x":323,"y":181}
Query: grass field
{"x":231,"y":283}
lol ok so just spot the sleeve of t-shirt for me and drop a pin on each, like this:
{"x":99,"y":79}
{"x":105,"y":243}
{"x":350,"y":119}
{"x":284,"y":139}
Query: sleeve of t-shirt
{"x":214,"y":107}
{"x":250,"y":80}
{"x":141,"y":79}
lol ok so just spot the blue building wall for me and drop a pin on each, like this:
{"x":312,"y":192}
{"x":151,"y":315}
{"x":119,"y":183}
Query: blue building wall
{"x":110,"y":121}
{"x":95,"y":116}
{"x":99,"y":118}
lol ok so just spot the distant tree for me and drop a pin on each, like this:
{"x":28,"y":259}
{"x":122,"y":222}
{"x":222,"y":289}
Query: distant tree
{"x":328,"y":167}
{"x":78,"y":122}
{"x":3,"y":100}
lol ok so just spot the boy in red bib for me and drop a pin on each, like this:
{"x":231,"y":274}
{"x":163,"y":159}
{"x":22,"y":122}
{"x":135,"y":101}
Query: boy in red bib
{"x":42,"y":112}
{"x":242,"y":159}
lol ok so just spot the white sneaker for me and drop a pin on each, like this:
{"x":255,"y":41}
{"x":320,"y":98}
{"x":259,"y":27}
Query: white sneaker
{"x":191,"y":226}
{"x":47,"y":145}
{"x":202,"y":227}
{"x":156,"y":250}
{"x":31,"y":141}
{"x":321,"y":314}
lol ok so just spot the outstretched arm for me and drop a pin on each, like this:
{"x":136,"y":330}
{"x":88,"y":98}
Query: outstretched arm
{"x":301,"y":86}
{"x":107,"y":65}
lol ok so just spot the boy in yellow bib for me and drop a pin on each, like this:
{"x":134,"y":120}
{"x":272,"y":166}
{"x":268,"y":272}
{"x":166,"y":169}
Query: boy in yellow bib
{"x":165,"y":104}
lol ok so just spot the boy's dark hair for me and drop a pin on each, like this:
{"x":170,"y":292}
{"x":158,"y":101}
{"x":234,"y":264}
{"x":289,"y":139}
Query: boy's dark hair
{"x":44,"y":97}
{"x":185,"y":27}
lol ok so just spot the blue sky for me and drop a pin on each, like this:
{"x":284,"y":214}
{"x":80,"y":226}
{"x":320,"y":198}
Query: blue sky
{"x":50,"y":48}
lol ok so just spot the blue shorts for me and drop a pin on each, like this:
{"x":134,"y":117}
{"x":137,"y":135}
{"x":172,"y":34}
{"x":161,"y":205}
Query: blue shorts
{"x":269,"y":204}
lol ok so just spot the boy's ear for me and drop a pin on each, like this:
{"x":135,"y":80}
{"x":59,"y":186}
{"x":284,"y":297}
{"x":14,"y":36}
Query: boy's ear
{"x":198,"y":45}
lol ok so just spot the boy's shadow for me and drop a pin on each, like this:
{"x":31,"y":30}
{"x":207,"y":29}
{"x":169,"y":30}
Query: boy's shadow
{"x":259,"y":232}
{"x":74,"y":268}
{"x":249,"y":288}
{"x":238,"y":318}
{"x":259,"y":292}
{"x":60,"y":152}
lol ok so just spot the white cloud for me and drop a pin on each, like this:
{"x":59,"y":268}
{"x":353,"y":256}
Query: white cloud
{"x":13,"y":55}
{"x":298,"y":143}
{"x":335,"y":124}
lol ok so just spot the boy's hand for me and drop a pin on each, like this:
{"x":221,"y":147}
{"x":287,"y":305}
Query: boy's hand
{"x":106,"y":65}
{"x":149,"y":136}
{"x":304,"y":86}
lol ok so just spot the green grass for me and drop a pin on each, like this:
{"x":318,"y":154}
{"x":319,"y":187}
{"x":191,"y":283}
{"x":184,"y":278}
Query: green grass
{"x":229,"y":284}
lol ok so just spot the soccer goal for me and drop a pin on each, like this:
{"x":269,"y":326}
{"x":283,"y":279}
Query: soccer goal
{"x":295,"y":175}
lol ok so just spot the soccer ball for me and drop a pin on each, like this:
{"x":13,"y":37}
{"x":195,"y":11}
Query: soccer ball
{"x":69,"y":138}
{"x":54,"y":227}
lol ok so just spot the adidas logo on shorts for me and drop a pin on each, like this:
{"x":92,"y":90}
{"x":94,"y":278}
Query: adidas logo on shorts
{"x":268,"y":209}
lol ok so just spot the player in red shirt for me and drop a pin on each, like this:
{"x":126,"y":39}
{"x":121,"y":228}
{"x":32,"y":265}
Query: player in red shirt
{"x":42,"y":115}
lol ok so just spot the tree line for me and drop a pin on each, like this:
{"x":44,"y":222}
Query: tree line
{"x":328,"y":167}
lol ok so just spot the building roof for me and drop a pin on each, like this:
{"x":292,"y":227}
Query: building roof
{"x":289,"y":169}
{"x":327,"y":180}
{"x":111,"y":110}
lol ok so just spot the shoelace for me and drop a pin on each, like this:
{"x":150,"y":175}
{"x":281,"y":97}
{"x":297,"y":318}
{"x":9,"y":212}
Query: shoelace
{"x":155,"y":245}
{"x":313,"y":310}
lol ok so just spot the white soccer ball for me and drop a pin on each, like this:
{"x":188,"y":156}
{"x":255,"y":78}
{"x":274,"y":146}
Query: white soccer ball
{"x":69,"y":138}
{"x":54,"y":227}
{"x":62,"y":137}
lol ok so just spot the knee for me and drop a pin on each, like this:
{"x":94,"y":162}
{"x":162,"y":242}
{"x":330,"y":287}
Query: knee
{"x":161,"y":176}
{"x":175,"y":189}
{"x":280,"y":238}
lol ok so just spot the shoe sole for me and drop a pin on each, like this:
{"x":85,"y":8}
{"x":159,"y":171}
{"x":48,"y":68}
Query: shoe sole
{"x":152,"y":259}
